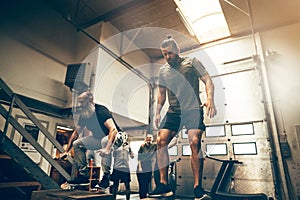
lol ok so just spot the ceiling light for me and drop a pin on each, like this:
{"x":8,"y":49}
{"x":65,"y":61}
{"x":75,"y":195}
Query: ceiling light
{"x":205,"y":18}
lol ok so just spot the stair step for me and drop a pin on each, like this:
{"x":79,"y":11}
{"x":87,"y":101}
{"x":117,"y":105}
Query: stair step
{"x":4,"y":156}
{"x":21,"y":184}
{"x":69,"y":195}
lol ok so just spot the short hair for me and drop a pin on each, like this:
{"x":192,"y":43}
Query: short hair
{"x":80,"y":87}
{"x":149,"y":135}
{"x":86,"y":96}
{"x":170,"y":41}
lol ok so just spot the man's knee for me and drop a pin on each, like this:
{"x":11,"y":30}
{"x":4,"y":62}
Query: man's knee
{"x":161,"y":142}
{"x":77,"y":144}
{"x":163,"y":138}
{"x":195,"y":144}
{"x":104,"y":141}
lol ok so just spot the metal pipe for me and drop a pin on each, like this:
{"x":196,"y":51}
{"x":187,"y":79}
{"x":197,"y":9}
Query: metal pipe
{"x":112,"y":54}
{"x":124,"y":63}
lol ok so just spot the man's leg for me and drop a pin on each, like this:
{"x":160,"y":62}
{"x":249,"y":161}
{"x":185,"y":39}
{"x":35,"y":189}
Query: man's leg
{"x":163,"y":139}
{"x":156,"y":176}
{"x":105,"y":165}
{"x":196,"y":164}
{"x":127,"y":190}
{"x":80,"y":147}
{"x":115,"y":188}
{"x":194,"y":136}
{"x":144,"y":179}
{"x":142,"y":193}
{"x":80,"y":157}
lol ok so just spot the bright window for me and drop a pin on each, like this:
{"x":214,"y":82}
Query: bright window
{"x":173,"y":151}
{"x":248,"y":148}
{"x":186,"y":150}
{"x":215,"y":131}
{"x":216,"y":149}
{"x":242,"y":129}
{"x":204,"y":19}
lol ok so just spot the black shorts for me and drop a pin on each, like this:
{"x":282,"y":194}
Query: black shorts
{"x":191,"y":119}
{"x":122,"y":175}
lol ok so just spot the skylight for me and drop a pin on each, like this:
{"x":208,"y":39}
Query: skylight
{"x":204,"y":19}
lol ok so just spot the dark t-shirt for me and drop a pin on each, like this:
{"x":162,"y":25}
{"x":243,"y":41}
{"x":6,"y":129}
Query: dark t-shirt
{"x":96,"y":122}
{"x":147,"y":155}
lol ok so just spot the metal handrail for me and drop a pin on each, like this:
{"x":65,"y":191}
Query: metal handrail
{"x":11,"y":120}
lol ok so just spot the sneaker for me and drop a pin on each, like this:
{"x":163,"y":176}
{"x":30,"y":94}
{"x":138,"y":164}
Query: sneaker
{"x":79,"y":180}
{"x":100,"y":190}
{"x":161,"y":190}
{"x":199,"y":194}
{"x":104,"y":183}
{"x":120,"y":139}
{"x":206,"y":197}
{"x":65,"y":186}
{"x":94,"y":183}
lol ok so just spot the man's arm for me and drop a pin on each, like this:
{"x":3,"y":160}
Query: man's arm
{"x":131,"y":153}
{"x":110,"y":125}
{"x":73,"y":137}
{"x":161,"y":98}
{"x":209,"y":88}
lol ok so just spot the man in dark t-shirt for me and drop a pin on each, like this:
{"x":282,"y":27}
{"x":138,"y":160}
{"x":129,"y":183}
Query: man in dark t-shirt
{"x":99,"y":120}
{"x":146,"y":156}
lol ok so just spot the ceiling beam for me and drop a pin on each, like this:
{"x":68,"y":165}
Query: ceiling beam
{"x":114,"y":13}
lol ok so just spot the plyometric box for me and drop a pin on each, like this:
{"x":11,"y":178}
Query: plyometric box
{"x":69,"y":195}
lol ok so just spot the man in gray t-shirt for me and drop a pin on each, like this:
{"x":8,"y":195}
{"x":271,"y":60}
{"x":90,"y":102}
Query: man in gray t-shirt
{"x":179,"y":80}
{"x":121,"y":171}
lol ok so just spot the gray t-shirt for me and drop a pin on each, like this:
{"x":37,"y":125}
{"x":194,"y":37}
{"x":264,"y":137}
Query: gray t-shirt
{"x":121,"y":157}
{"x":182,"y":84}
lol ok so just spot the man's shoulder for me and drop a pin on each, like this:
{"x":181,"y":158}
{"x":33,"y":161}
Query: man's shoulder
{"x":102,"y":110}
{"x":187,"y":61}
{"x":165,"y":66}
{"x":100,"y":107}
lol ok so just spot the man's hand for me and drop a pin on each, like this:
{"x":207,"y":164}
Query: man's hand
{"x":131,"y":155}
{"x":63,"y":155}
{"x":157,"y":120}
{"x":104,"y":152}
{"x":211,"y":110}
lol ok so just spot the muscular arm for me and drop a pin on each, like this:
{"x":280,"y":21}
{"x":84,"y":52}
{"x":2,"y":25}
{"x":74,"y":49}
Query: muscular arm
{"x":110,"y":125}
{"x":209,"y":88}
{"x":161,"y":98}
{"x":71,"y":140}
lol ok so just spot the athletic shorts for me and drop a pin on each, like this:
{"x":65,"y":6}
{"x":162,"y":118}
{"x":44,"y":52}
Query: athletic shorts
{"x":191,"y":119}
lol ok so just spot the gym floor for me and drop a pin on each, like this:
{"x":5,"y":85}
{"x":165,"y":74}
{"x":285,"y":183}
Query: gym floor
{"x":136,"y":197}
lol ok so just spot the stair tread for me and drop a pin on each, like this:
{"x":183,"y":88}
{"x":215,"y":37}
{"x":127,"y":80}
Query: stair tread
{"x":20,"y":184}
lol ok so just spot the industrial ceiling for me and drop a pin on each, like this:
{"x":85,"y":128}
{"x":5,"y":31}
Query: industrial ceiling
{"x":243,"y":17}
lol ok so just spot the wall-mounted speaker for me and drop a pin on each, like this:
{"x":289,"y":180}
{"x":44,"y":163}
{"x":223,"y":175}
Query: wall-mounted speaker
{"x":78,"y":75}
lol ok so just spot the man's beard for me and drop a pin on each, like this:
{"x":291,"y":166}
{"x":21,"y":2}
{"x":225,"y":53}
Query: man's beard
{"x":173,"y":62}
{"x":88,"y":110}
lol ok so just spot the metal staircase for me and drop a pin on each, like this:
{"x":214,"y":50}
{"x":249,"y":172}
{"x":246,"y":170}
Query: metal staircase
{"x":18,"y":171}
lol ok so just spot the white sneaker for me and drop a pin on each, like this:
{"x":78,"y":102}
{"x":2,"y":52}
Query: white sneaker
{"x":65,"y":186}
{"x":120,"y":139}
{"x":204,"y":197}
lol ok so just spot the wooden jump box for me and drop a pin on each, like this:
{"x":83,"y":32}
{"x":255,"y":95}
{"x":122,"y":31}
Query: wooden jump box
{"x":68,"y":195}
